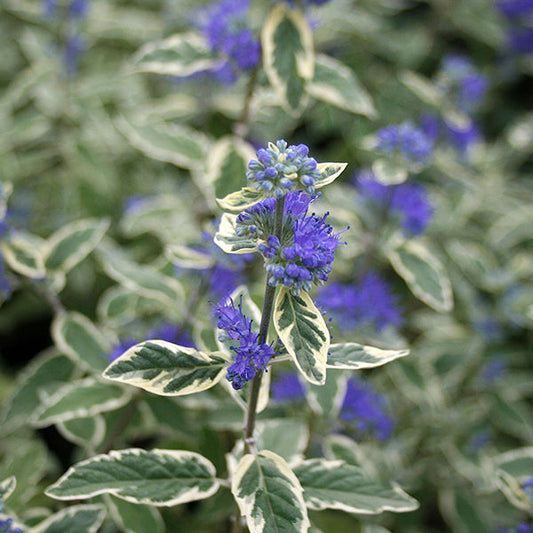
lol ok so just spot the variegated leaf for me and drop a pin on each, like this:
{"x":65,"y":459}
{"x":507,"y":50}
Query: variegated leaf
{"x":389,"y":172}
{"x":240,"y":200}
{"x":513,"y":491}
{"x":288,"y":55}
{"x":86,"y":432}
{"x":73,"y":242}
{"x":304,"y":333}
{"x":7,"y":486}
{"x":76,"y":336}
{"x":423,"y":273}
{"x":329,"y":172}
{"x":353,"y":356}
{"x":179,"y":55}
{"x":185,"y":257}
{"x":79,"y":399}
{"x":423,"y":88}
{"x":168,"y":369}
{"x":156,"y":477}
{"x":227,"y":239}
{"x":135,"y":518}
{"x":339,"y":485}
{"x":335,"y":83}
{"x":269,"y":494}
{"x":285,"y":437}
{"x":327,"y":399}
{"x":23,"y":257}
{"x":78,"y":518}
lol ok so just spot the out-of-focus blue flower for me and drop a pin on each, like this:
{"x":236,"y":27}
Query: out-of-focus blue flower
{"x":121,"y":348}
{"x":514,"y":8}
{"x":493,"y":369}
{"x":287,"y":388}
{"x":367,"y":303}
{"x":478,"y":441}
{"x":171,"y":333}
{"x":78,"y":9}
{"x":226,"y":29}
{"x":523,"y":527}
{"x":521,"y":40}
{"x":527,"y":487}
{"x":249,"y":355}
{"x":281,"y":168}
{"x":407,"y":200}
{"x":366,"y":410}
{"x":6,"y":524}
{"x":490,"y":329}
{"x":74,"y":46}
{"x":49,"y":8}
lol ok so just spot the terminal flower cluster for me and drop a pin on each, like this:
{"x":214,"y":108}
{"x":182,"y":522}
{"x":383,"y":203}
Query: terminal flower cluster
{"x":281,"y":168}
{"x":225,"y":27}
{"x":406,"y":142}
{"x":305,"y":252}
{"x":288,"y":388}
{"x":250,"y":355}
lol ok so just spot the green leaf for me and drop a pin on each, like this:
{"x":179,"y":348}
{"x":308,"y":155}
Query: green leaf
{"x":423,"y":273}
{"x":423,"y":88}
{"x":79,"y":399}
{"x":185,"y":257}
{"x":337,"y":84}
{"x":170,"y":142}
{"x":329,"y":172}
{"x":168,"y":369}
{"x":288,"y":55}
{"x":135,"y":518}
{"x":179,"y":55}
{"x":512,"y":229}
{"x":513,"y":491}
{"x":76,"y":336}
{"x":117,"y":305}
{"x":285,"y":437}
{"x":269,"y":494}
{"x":78,"y":518}
{"x":353,"y":356}
{"x":73,"y":242}
{"x":156,"y":477}
{"x":85,"y":432}
{"x":227,"y":239}
{"x":304,"y":333}
{"x":518,"y":462}
{"x":240,"y":200}
{"x":389,"y":172}
{"x":23,"y":256}
{"x":339,"y":485}
{"x":327,"y":399}
{"x":7,"y":486}
{"x":44,"y":374}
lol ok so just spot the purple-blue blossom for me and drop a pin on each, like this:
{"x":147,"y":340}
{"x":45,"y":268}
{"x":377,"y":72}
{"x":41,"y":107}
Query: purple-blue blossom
{"x":523,"y":527}
{"x":6,"y":524}
{"x":461,"y":138}
{"x":514,"y":8}
{"x":370,"y":302}
{"x":74,"y":46}
{"x":492,"y":370}
{"x":527,"y":487}
{"x":405,"y":141}
{"x":521,"y":40}
{"x":365,"y":410}
{"x":226,"y":29}
{"x":281,"y":168}
{"x":78,"y":9}
{"x":250,"y":355}
{"x":408,"y":201}
{"x":287,"y":387}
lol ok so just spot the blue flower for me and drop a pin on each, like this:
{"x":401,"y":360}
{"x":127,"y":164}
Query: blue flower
{"x":171,"y":333}
{"x":514,"y":8}
{"x":521,"y":40}
{"x":6,"y":525}
{"x":281,"y":168}
{"x":405,"y":141}
{"x":225,"y":28}
{"x":78,"y":9}
{"x":366,"y":410}
{"x":494,"y":369}
{"x":527,"y":487}
{"x":50,"y":8}
{"x":287,"y":388}
{"x":121,"y":348}
{"x":73,"y":48}
{"x":250,"y":355}
{"x":409,"y":201}
{"x":367,"y":303}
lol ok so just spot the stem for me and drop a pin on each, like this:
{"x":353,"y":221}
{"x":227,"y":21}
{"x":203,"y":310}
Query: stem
{"x":266,"y":315}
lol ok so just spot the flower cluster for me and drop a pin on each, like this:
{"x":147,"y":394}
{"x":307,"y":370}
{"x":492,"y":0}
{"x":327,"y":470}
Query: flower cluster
{"x":281,"y":168}
{"x":287,"y":388}
{"x":405,"y":142}
{"x":6,"y":525}
{"x":409,"y":201}
{"x":225,"y":27}
{"x":250,"y":355}
{"x":519,"y":13}
{"x":365,"y":408}
{"x":306,"y":250}
{"x":523,"y":527}
{"x":367,"y":303}
{"x":74,"y":43}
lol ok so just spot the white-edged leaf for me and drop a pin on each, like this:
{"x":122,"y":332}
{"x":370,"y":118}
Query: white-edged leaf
{"x":423,"y":88}
{"x":513,"y":228}
{"x":135,"y":518}
{"x":240,"y":200}
{"x":227,"y":239}
{"x":304,"y":333}
{"x":423,"y":273}
{"x":517,"y":462}
{"x":186,"y":257}
{"x":513,"y":491}
{"x":170,"y":142}
{"x":76,"y":336}
{"x":80,"y":399}
{"x":117,"y":305}
{"x":23,"y":256}
{"x":353,"y":356}
{"x":7,"y":486}
{"x":73,"y":242}
{"x":178,"y":55}
{"x":168,"y":369}
{"x":285,"y":437}
{"x":85,"y":432}
{"x":288,"y":55}
{"x":329,"y":172}
{"x":156,"y":477}
{"x":269,"y":495}
{"x":389,"y":172}
{"x":327,"y":399}
{"x":339,"y":485}
{"x":335,"y":83}
{"x":78,"y":518}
